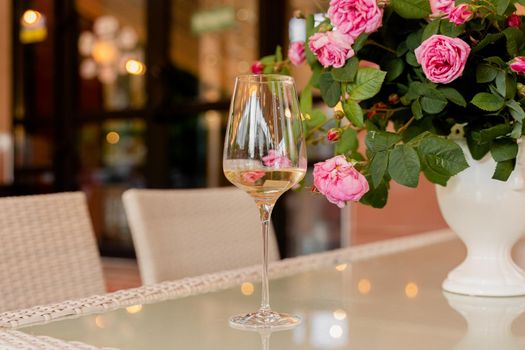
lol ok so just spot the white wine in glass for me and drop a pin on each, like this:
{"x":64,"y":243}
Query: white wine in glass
{"x":264,"y":155}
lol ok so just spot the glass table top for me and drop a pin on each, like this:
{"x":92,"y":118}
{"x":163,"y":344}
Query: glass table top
{"x":389,"y":302}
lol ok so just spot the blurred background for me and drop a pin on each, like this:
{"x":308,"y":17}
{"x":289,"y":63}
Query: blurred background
{"x":106,"y":95}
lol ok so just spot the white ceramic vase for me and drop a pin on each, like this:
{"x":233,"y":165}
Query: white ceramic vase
{"x":489,"y":217}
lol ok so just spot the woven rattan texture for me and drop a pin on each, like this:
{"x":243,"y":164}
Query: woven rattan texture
{"x":47,"y":250}
{"x":182,"y":233}
{"x":210,"y":282}
{"x":15,"y":340}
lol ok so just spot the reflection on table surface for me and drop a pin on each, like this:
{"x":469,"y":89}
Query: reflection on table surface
{"x":389,"y":302}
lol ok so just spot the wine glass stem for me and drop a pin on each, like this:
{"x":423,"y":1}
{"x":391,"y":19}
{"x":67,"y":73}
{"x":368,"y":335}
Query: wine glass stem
{"x":265,"y":211}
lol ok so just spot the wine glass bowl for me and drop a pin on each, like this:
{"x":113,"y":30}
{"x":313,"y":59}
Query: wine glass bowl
{"x":264,"y":155}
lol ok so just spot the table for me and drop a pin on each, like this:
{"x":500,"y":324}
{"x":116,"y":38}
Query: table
{"x":377,"y":296}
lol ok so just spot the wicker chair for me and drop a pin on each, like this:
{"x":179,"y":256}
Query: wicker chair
{"x":181,"y":233}
{"x":47,"y":250}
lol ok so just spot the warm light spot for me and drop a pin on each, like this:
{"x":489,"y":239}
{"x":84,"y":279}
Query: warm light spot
{"x":30,"y":17}
{"x":135,"y":67}
{"x":112,"y":137}
{"x":411,"y":290}
{"x":134,"y":309}
{"x":287,"y":113}
{"x":364,"y":286}
{"x":341,"y":267}
{"x":339,"y":314}
{"x":100,"y":322}
{"x":105,"y":52}
{"x":247,"y":288}
{"x":336,"y":331}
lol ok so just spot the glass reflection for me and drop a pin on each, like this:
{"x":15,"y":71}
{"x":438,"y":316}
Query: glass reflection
{"x":489,"y":321}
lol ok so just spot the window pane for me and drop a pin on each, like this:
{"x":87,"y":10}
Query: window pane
{"x":212,"y":41}
{"x":111,"y":54}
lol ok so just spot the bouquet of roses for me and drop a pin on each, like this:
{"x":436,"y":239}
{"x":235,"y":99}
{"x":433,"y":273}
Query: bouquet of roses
{"x":411,"y":74}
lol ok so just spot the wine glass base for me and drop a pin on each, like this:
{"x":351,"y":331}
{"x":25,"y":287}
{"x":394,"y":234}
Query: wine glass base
{"x":265,"y":320}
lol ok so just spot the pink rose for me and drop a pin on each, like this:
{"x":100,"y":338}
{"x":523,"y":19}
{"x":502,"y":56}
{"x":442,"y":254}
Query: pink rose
{"x":331,"y":48}
{"x":353,"y":17}
{"x":251,"y":176}
{"x":518,"y":65}
{"x":274,"y":160}
{"x":514,"y":21}
{"x":441,"y":7}
{"x":442,"y":58}
{"x":460,"y":14}
{"x":296,"y":53}
{"x":338,"y":180}
{"x":257,"y":67}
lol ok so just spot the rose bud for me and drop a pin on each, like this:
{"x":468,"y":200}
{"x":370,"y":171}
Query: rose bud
{"x":393,"y":99}
{"x":521,"y":89}
{"x":334,"y":134}
{"x":514,"y":21}
{"x":518,"y":65}
{"x":257,"y":67}
{"x":339,"y":115}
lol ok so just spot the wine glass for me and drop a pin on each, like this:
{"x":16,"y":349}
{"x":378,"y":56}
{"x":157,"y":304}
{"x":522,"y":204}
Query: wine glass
{"x":264,"y":155}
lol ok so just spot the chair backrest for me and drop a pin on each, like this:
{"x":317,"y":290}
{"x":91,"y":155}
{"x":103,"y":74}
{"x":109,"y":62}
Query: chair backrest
{"x":181,"y":233}
{"x":48,"y":251}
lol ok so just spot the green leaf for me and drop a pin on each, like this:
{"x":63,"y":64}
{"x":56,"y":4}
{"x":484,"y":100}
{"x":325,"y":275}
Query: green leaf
{"x":317,"y":117}
{"x":485,"y":73}
{"x":411,"y":9}
{"x":367,"y":83}
{"x":330,"y":89}
{"x":501,"y":86}
{"x":404,"y":166}
{"x":488,"y":39}
{"x":517,"y":130}
{"x":310,"y":29}
{"x":442,"y":156}
{"x":504,"y":149}
{"x":402,"y":48}
{"x":434,"y":176}
{"x":347,"y":72}
{"x":347,"y":143}
{"x":414,"y":40}
{"x":488,"y":102}
{"x":501,"y":6}
{"x":477,"y":149}
{"x":377,"y":141}
{"x":510,"y":86}
{"x":431,"y":29}
{"x":450,"y":29}
{"x":394,"y":68}
{"x":515,"y":38}
{"x":488,"y":134}
{"x":378,"y":167}
{"x":515,"y":109}
{"x":317,"y":69}
{"x":417,"y":111}
{"x":453,"y":96}
{"x":411,"y":59}
{"x":353,"y":112}
{"x":359,"y":42}
{"x":504,"y":169}
{"x":496,"y":60}
{"x":433,"y":105}
{"x":305,"y":101}
{"x":270,"y":59}
{"x":376,"y":197}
